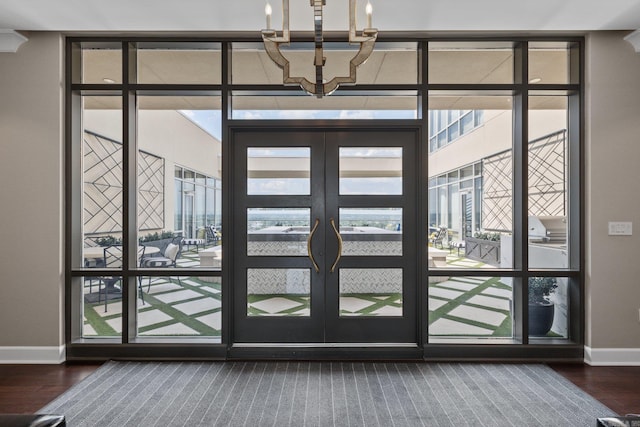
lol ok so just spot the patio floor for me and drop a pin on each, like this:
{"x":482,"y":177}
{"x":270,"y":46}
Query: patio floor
{"x":458,"y":306}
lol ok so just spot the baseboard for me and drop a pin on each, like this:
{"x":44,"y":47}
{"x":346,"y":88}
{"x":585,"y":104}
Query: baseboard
{"x":32,"y":355}
{"x":612,"y":356}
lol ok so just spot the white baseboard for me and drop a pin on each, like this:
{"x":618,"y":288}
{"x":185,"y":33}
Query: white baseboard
{"x":612,"y":356}
{"x":32,"y":355}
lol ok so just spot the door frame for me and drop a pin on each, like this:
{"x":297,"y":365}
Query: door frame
{"x":372,"y":350}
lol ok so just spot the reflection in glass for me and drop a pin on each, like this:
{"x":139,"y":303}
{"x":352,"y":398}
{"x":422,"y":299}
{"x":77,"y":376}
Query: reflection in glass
{"x":370,"y":170}
{"x":371,"y":292}
{"x":278,"y":171}
{"x":371,"y":231}
{"x":474,"y":307}
{"x":278,"y":292}
{"x":277,"y":231}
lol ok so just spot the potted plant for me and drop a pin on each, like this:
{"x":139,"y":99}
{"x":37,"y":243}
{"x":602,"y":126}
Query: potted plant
{"x":484,"y":247}
{"x":541,"y":310}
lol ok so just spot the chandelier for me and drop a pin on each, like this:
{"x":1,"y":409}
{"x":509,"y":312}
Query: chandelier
{"x":272,"y":41}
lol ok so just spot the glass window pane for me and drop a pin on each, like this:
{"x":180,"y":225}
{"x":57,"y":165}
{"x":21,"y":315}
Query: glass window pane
{"x":184,"y":63}
{"x":470,"y":307}
{"x":390,"y":63}
{"x":371,"y":231}
{"x":275,"y":106}
{"x":101,"y":306}
{"x":102,"y":174}
{"x":370,"y":292}
{"x":474,"y":222}
{"x":548,"y":182}
{"x":549,"y":62}
{"x":278,"y":292}
{"x":470,"y":62}
{"x":548,"y":307}
{"x":278,"y":171}
{"x":370,"y":170}
{"x":278,"y":231}
{"x":101,"y":63}
{"x":179,"y":307}
{"x":172,"y":214}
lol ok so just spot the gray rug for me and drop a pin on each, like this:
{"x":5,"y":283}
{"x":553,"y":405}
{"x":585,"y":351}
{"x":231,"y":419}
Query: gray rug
{"x":325,"y":394}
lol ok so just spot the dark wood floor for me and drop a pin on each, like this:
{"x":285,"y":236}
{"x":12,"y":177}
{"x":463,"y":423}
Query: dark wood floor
{"x":27,"y":388}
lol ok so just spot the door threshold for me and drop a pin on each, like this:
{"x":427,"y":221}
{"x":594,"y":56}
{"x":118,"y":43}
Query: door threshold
{"x":323,"y":345}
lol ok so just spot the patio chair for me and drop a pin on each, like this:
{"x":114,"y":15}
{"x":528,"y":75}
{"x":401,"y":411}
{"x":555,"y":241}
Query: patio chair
{"x":441,"y":235}
{"x":170,"y":258}
{"x":113,"y":259}
{"x":212,"y":234}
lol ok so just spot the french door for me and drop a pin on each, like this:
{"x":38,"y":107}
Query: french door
{"x":324,"y":230}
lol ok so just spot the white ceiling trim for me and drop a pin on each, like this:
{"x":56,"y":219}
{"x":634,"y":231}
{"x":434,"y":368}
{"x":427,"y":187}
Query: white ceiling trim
{"x":11,"y":40}
{"x":634,"y":39}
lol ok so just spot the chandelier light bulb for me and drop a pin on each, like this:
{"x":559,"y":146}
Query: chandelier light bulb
{"x":369,"y":10}
{"x":268,"y":11}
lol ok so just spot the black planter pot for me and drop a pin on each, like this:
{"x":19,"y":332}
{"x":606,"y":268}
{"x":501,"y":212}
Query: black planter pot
{"x":540,"y":318}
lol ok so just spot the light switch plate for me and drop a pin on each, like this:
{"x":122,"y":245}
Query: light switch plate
{"x":620,"y":228}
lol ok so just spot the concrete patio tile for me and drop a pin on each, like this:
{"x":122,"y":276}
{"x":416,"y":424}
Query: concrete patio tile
{"x":451,"y":327}
{"x":503,"y":293}
{"x":275,"y":305}
{"x":435,"y":304}
{"x":178,"y":296}
{"x":478,"y":315}
{"x":387,"y":310}
{"x":88,"y":331}
{"x":499,"y":303}
{"x":159,"y":288}
{"x":150,"y":317}
{"x":213,"y":320}
{"x":353,"y":304}
{"x":197,"y":306}
{"x":454,"y":284}
{"x":437,"y":291}
{"x":175,"y":329}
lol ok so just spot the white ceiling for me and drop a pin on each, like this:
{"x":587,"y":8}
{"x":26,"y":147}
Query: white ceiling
{"x":388,"y":15}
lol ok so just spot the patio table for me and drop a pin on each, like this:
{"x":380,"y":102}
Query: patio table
{"x":97,"y":252}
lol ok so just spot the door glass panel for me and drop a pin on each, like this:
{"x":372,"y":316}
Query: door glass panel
{"x":371,"y":231}
{"x":370,"y":170}
{"x":278,"y":292}
{"x":371,"y":292}
{"x":277,"y":231}
{"x":278,"y":171}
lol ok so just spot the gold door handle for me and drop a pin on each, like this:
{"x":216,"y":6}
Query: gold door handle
{"x":339,"y":237}
{"x":313,"y":230}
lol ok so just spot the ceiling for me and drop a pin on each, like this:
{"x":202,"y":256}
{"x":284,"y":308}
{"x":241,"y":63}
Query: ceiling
{"x":388,"y":15}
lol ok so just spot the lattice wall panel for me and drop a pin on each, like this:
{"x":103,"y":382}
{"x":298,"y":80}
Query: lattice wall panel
{"x":102,"y":203}
{"x":497,"y":183}
{"x":547,"y":175}
{"x":547,"y":182}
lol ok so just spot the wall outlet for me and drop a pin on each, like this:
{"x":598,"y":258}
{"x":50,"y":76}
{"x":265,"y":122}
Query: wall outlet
{"x":620,"y":228}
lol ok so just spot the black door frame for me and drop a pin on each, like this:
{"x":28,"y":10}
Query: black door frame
{"x":414,"y":243}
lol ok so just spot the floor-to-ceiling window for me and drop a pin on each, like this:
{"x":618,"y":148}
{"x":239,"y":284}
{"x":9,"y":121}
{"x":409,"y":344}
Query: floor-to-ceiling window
{"x":496,"y":204}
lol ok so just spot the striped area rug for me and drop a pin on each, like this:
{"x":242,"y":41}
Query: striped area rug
{"x":325,"y":394}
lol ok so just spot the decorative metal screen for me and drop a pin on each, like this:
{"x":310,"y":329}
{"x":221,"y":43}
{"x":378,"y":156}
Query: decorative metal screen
{"x":547,"y":175}
{"x":497,"y":183}
{"x":547,"y":182}
{"x":102,"y":201}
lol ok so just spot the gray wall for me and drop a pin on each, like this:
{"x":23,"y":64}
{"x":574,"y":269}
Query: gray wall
{"x":31,"y":213}
{"x":613,"y":175}
{"x":31,"y":191}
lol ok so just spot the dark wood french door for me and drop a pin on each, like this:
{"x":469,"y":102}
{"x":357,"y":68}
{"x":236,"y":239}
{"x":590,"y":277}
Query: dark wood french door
{"x":324,"y":226}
